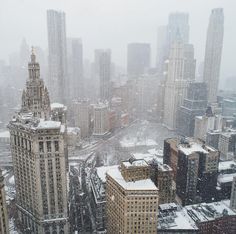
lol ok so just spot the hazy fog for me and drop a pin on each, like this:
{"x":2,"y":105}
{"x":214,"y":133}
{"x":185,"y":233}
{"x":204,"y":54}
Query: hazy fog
{"x":113,"y":24}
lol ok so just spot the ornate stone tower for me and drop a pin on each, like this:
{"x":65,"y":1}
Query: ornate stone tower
{"x":39,"y":158}
{"x":35,"y":97}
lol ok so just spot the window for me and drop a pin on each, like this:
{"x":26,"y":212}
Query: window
{"x":49,"y":148}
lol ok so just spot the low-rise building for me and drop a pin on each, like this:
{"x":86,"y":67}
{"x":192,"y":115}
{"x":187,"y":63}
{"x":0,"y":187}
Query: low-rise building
{"x":132,"y":204}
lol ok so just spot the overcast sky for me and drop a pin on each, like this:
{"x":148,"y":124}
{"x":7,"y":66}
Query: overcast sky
{"x":113,"y":24}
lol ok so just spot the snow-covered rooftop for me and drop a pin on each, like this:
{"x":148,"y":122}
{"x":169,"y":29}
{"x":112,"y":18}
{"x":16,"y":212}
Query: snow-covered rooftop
{"x":172,"y":216}
{"x":57,"y":105}
{"x":44,"y":124}
{"x":226,"y":178}
{"x":209,"y":211}
{"x":146,"y":184}
{"x":135,"y":163}
{"x":101,"y":172}
{"x":192,"y":147}
{"x":225,"y":165}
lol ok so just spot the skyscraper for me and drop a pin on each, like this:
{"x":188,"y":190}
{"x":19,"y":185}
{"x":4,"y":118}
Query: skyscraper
{"x":103,"y":58}
{"x":57,"y":56}
{"x":138,"y":59}
{"x":39,"y":160}
{"x":75,"y":65}
{"x":175,"y":86}
{"x":194,"y":105}
{"x":4,"y":228}
{"x":178,"y":27}
{"x":213,"y":52}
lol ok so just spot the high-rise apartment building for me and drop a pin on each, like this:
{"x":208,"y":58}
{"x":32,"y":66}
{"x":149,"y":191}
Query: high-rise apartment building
{"x":175,"y":86}
{"x":213,"y":52}
{"x":4,"y":227}
{"x":39,"y":157}
{"x":194,"y":105}
{"x":57,"y":56}
{"x":195,"y":167}
{"x":138,"y":59}
{"x":132,"y":199}
{"x":75,"y":65}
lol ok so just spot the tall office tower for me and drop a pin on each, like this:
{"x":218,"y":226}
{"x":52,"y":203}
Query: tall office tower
{"x":132,"y":199}
{"x":4,"y":227}
{"x":75,"y":65}
{"x":194,"y":104}
{"x":189,"y":62}
{"x":233,"y":195}
{"x":57,"y":56}
{"x":213,"y":52}
{"x":138,"y":59}
{"x":162,"y":49}
{"x":38,"y":150}
{"x":175,"y":86}
{"x":195,"y":167}
{"x":101,"y":119}
{"x":178,"y":28}
{"x":103,"y":69}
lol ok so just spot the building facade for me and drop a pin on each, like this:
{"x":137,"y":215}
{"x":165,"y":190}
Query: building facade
{"x":213,"y":52}
{"x":4,"y":226}
{"x":38,"y":149}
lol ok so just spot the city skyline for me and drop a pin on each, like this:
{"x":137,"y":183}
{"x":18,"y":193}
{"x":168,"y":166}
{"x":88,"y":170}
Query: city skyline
{"x":135,"y":23}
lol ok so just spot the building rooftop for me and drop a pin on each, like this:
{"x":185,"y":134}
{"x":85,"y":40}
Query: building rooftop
{"x":226,"y":178}
{"x":191,"y":146}
{"x":146,"y":184}
{"x":172,"y":216}
{"x":227,"y":165}
{"x":57,"y":106}
{"x":135,"y":163}
{"x":44,"y":124}
{"x":101,"y":171}
{"x":209,"y":211}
